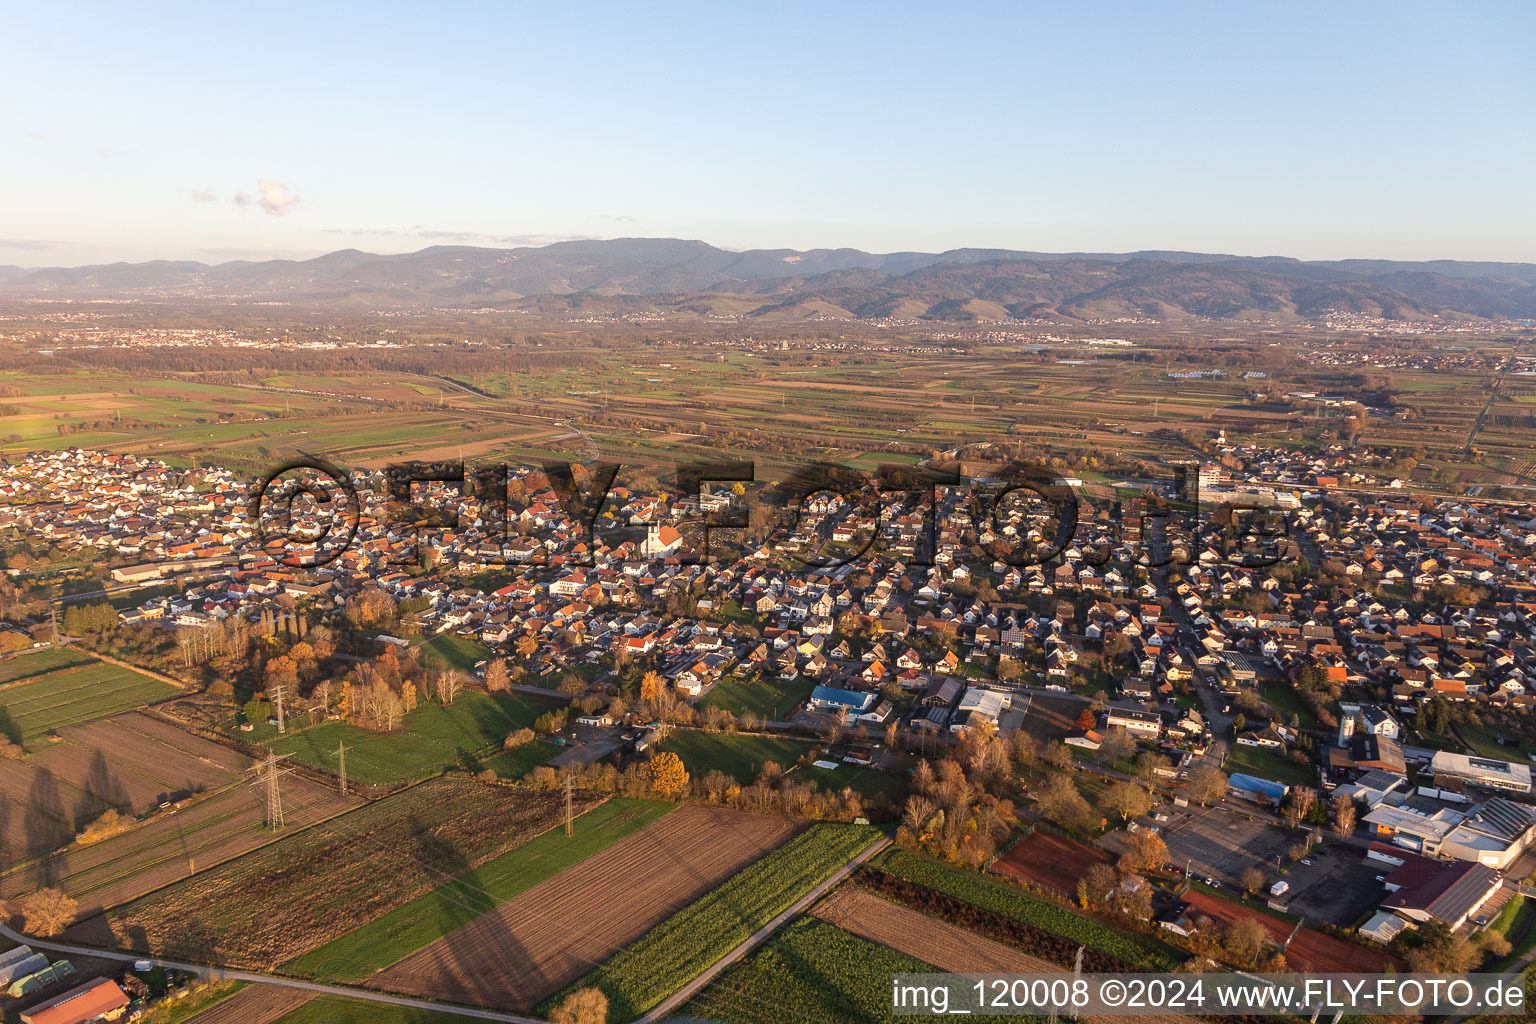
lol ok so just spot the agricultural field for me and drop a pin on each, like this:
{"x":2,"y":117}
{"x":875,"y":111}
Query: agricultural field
{"x":169,"y":846}
{"x":808,"y":971}
{"x":908,"y":931}
{"x":555,"y":932}
{"x":341,"y":1010}
{"x":291,"y":897}
{"x":254,"y":1004}
{"x":1017,"y":905}
{"x":674,"y":952}
{"x":131,"y":761}
{"x":40,"y":702}
{"x":945,"y":946}
{"x":36,"y":663}
{"x":738,"y":755}
{"x":387,"y":939}
{"x":432,"y":737}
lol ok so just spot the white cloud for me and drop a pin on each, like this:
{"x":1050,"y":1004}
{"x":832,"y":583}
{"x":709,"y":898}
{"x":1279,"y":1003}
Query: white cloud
{"x":275,"y":198}
{"x":272,"y":196}
{"x":203,"y":195}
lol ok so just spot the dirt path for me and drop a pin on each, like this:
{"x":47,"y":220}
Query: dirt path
{"x":533,"y":946}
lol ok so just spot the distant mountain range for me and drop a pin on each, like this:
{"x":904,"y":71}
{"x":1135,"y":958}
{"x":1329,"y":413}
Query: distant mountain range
{"x":688,"y":277}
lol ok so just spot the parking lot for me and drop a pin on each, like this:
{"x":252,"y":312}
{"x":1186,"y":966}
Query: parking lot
{"x":1223,"y":844}
{"x":1338,"y":887}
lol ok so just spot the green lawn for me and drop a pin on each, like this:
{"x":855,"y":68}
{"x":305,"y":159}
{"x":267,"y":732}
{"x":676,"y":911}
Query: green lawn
{"x":1286,"y":701}
{"x":1269,"y":764}
{"x":433,"y":737}
{"x":459,"y":652}
{"x":681,"y":947}
{"x":866,"y":782}
{"x":809,"y":971}
{"x":340,"y":1010}
{"x":402,"y":931}
{"x":39,"y":703}
{"x":738,"y":756}
{"x":768,"y":697}
{"x":35,"y":663}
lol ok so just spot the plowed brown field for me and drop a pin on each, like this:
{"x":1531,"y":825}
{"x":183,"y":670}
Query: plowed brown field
{"x":533,"y":946}
{"x":258,"y":1004}
{"x":129,"y":761}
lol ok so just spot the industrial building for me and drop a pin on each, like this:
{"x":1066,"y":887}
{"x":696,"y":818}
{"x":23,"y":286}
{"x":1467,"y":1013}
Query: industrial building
{"x":1481,"y":772}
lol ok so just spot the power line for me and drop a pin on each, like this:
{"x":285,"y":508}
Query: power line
{"x":341,"y":754}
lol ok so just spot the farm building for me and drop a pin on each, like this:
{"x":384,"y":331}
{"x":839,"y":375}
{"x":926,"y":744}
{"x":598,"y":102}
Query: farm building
{"x":101,"y":999}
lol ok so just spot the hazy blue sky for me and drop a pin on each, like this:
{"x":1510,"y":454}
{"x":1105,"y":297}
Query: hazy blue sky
{"x":139,"y":131}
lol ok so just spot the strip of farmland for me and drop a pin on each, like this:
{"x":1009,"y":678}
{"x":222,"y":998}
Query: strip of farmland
{"x":936,"y":942}
{"x":558,"y":931}
{"x":293,"y":896}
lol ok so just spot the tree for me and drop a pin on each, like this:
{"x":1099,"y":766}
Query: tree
{"x":1146,"y":768}
{"x":496,"y":678}
{"x":526,"y":646}
{"x":1207,"y":784}
{"x":48,"y":912}
{"x":1244,"y":942}
{"x":1101,"y":881}
{"x":1144,"y":851}
{"x":650,"y":685}
{"x":1060,"y":801}
{"x":1239,"y":723}
{"x":1298,"y":804}
{"x":584,"y":1006}
{"x":1251,"y":881}
{"x":1343,"y":809}
{"x":669,"y":777}
{"x":1118,"y":745}
{"x":1085,"y":720}
{"x":1127,"y":800}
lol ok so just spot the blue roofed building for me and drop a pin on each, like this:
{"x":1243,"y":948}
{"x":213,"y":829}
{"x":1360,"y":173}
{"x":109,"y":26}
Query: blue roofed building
{"x":1260,"y":791}
{"x":832,"y":699}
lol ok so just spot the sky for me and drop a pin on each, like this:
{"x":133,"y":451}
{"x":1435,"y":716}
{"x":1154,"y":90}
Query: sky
{"x":216,"y":132}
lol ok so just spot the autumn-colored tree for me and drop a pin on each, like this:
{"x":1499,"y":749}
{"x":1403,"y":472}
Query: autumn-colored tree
{"x":1343,"y":814}
{"x":1085,"y":720}
{"x":526,"y":646}
{"x":281,"y":672}
{"x":1251,"y":881}
{"x":496,"y":679}
{"x":669,"y":777}
{"x":650,"y":685}
{"x":48,"y":912}
{"x":584,"y":1006}
{"x":1244,"y":942}
{"x":1144,"y":851}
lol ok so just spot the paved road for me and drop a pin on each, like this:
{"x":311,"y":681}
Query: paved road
{"x":689,"y":990}
{"x":267,"y":979}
